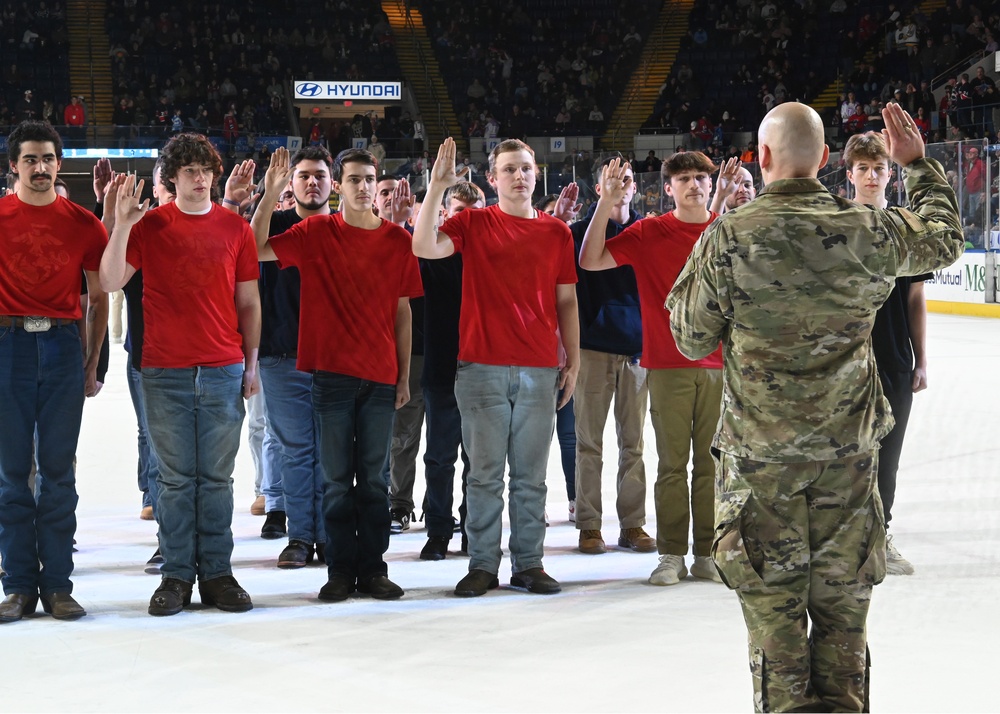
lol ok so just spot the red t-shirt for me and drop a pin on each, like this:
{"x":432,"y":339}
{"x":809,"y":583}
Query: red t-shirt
{"x":511,"y":268}
{"x":44,"y":250}
{"x":190,"y":266}
{"x":657,"y":249}
{"x":352,"y":280}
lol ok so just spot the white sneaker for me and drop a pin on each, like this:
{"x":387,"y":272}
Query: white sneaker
{"x":670,"y":571}
{"x":572,"y":511}
{"x":704,"y":568}
{"x":895,"y":564}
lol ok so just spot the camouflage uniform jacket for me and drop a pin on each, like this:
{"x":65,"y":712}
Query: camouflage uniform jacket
{"x":790,"y":284}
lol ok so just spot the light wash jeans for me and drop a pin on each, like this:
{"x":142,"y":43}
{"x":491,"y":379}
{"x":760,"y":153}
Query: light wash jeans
{"x":508,"y":415}
{"x":264,"y":451}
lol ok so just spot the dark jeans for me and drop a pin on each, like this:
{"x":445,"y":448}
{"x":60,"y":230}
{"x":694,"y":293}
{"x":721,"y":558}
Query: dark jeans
{"x":194,"y":416}
{"x":147,"y":470}
{"x":566,"y":434}
{"x":898,"y":389}
{"x":444,"y":444}
{"x":41,"y":394}
{"x":354,"y":423}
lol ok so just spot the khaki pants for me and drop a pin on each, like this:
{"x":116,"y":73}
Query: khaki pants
{"x":803,"y":542}
{"x":602,"y":377}
{"x":401,"y":462}
{"x":684,"y":408}
{"x":117,"y":303}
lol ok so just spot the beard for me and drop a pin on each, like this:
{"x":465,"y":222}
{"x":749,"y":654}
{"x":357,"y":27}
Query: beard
{"x":311,"y":205}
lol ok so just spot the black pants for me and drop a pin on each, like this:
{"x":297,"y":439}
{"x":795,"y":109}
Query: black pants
{"x":899,"y":391}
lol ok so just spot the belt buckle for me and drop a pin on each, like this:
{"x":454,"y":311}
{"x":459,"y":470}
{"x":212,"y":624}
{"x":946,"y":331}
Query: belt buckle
{"x":37,"y":324}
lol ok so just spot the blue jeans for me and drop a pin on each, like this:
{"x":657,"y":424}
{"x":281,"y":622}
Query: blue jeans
{"x":444,"y":443}
{"x":41,"y":393}
{"x":147,"y":468}
{"x":194,"y":416}
{"x":290,"y":419}
{"x":354,"y":422}
{"x":508,"y":414}
{"x":566,"y":435}
{"x":264,"y":452}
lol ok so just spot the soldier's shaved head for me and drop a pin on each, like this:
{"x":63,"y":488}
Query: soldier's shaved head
{"x":792,"y":142}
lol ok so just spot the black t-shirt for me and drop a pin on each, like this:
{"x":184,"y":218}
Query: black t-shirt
{"x":891,"y":332}
{"x":442,"y":305}
{"x":279,"y":297}
{"x":136,"y":323}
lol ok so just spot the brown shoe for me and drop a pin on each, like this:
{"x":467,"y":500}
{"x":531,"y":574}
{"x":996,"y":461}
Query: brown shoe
{"x":146,"y":513}
{"x":637,"y":539}
{"x":592,"y":543}
{"x":258,"y":507}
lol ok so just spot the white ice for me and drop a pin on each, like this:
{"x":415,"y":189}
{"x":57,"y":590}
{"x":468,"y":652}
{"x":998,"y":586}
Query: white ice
{"x":609,"y":643}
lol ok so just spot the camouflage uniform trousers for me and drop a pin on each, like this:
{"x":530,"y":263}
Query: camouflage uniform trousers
{"x":800,"y":542}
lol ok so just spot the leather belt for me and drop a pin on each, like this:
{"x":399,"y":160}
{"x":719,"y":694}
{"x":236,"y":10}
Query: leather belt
{"x":29,"y":323}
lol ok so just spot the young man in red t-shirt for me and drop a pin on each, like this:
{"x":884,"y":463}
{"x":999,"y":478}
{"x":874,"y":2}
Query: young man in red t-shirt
{"x":357,"y":278}
{"x":684,"y":396}
{"x":199,"y":357}
{"x":46,"y":242}
{"x":518,"y":299}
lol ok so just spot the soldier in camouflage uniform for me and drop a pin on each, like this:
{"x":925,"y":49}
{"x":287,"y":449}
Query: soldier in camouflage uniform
{"x":790,"y":283}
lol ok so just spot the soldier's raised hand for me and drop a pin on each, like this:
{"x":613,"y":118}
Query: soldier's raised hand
{"x":902,"y":136}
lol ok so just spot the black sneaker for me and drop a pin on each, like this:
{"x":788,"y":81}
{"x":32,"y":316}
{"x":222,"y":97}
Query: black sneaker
{"x":400,"y":520}
{"x":296,"y":554}
{"x":274,"y":526}
{"x":435,"y":549}
{"x":153,"y":564}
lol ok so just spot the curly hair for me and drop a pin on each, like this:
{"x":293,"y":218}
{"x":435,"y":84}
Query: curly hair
{"x":185,"y":149}
{"x":32,"y":131}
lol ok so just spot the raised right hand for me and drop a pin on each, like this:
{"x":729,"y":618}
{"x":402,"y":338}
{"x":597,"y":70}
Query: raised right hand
{"x":613,"y":181}
{"x":129,"y":210}
{"x":443,"y":171}
{"x":278,"y":173}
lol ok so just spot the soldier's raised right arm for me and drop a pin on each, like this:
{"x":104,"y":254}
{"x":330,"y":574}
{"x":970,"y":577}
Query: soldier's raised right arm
{"x":928,"y":235}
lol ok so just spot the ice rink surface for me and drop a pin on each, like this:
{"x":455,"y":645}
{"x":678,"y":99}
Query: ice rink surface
{"x":608,"y":643}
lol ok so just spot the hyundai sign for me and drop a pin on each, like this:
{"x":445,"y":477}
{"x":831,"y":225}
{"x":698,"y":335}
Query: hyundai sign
{"x":339,"y":91}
